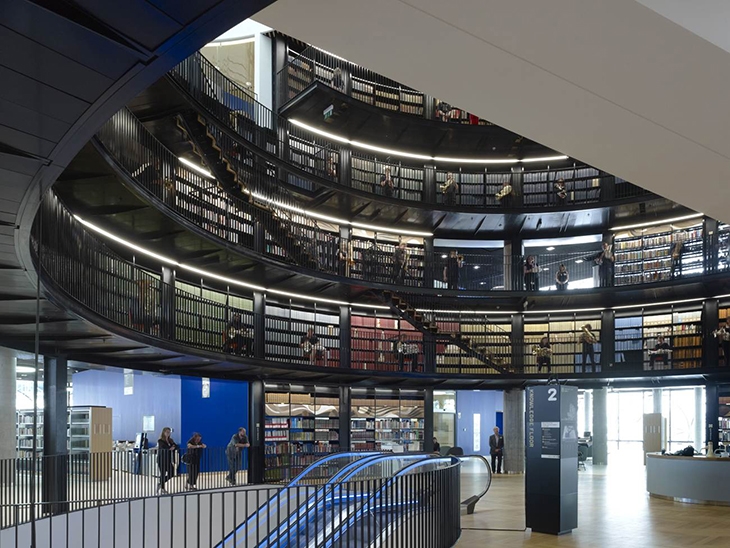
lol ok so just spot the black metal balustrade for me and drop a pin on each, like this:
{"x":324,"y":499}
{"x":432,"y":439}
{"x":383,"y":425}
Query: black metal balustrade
{"x":411,"y":509}
{"x":465,"y":342}
{"x":293,"y":237}
{"x":314,"y":162}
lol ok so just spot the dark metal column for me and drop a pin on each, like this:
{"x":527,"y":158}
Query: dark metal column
{"x":278,"y":62}
{"x":517,"y":180}
{"x":429,"y":353}
{"x":608,"y":339}
{"x":429,"y":107}
{"x":512,"y":268}
{"x":167,"y":303}
{"x":256,"y":460}
{"x":345,"y":337}
{"x":428,"y":420}
{"x":710,"y":322}
{"x":344,"y":167}
{"x":55,"y":433}
{"x":259,"y":324}
{"x":429,"y":184}
{"x":345,"y":416}
{"x":711,"y":245}
{"x":429,"y":267}
{"x":518,"y":343}
{"x":607,"y":186}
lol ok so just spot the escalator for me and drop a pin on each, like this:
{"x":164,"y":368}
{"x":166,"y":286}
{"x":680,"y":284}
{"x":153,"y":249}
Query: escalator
{"x":365,"y":493}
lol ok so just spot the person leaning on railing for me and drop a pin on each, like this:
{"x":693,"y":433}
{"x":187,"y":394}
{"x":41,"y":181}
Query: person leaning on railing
{"x":192,"y":459}
{"x":450,"y":189}
{"x":386,"y":183}
{"x":234,"y":453}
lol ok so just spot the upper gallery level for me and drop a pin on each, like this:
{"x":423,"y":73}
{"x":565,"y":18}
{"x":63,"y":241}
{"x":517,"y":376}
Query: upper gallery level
{"x":322,"y":162}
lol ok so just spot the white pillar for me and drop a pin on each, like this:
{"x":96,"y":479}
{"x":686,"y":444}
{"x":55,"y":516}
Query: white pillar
{"x":514,"y":431}
{"x":657,"y":397}
{"x":8,"y":363}
{"x":699,"y":418}
{"x":588,"y":411}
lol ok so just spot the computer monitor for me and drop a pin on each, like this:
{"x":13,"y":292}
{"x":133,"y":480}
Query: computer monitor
{"x":586,"y":434}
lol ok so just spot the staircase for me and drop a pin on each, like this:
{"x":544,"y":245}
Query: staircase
{"x":284,"y":231}
{"x":405,"y":311}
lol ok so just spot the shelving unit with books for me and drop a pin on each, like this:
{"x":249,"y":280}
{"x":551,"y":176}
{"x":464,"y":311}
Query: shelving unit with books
{"x":724,"y":419}
{"x":488,"y":334}
{"x":373,"y":257}
{"x":659,"y":253}
{"x":387,"y":420}
{"x":373,"y":339}
{"x":286,"y":324}
{"x":24,"y":428}
{"x":301,"y":425}
{"x":723,"y":246}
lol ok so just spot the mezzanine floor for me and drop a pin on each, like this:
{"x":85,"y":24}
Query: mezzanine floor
{"x":614,"y":511}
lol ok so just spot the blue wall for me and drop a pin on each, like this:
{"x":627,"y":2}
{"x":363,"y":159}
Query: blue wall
{"x":216,"y":418}
{"x":153,"y":395}
{"x":468,"y":402}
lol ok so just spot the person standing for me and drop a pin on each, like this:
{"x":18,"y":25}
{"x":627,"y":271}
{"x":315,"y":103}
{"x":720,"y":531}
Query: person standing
{"x":604,"y":260}
{"x":561,"y":278}
{"x":723,"y":334}
{"x":436,"y":446}
{"x":310,"y":346}
{"x":166,"y":448}
{"x":451,"y":270}
{"x":544,"y":353}
{"x":399,"y":263}
{"x":234,"y":452}
{"x":588,"y":340}
{"x":386,"y":183}
{"x":450,"y":189}
{"x":561,"y":192}
{"x":531,"y":274}
{"x":496,"y":450}
{"x":193,"y":457}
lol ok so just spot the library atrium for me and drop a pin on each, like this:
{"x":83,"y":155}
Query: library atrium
{"x":353,"y":274}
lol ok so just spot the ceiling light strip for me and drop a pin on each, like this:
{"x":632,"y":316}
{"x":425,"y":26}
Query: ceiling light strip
{"x":404,"y":154}
{"x":208,"y":274}
{"x":657,"y":223}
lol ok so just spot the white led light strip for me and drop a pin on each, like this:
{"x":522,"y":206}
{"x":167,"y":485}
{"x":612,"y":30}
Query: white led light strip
{"x":208,"y":274}
{"x":366,"y":146}
{"x":205,"y":273}
{"x":658,"y":223}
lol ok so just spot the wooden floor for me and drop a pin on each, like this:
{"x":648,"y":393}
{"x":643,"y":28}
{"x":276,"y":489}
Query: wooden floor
{"x":614,"y":511}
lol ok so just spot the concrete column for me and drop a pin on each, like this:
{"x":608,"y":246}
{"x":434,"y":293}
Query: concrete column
{"x":600,"y":426}
{"x":514,"y":431}
{"x":428,"y":421}
{"x":256,"y":423}
{"x":699,"y":418}
{"x":588,"y":411}
{"x":657,"y":397}
{"x":8,"y":363}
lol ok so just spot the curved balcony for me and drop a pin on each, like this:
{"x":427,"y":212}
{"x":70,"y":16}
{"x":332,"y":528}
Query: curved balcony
{"x":360,"y":341}
{"x":316,"y":162}
{"x":292,"y":238}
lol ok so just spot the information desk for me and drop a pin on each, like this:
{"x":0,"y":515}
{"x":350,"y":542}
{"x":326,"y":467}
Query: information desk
{"x":698,"y":480}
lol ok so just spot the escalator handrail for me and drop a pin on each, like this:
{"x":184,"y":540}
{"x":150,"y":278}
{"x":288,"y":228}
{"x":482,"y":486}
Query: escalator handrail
{"x":341,"y":477}
{"x":351,"y":519}
{"x":489,"y":468}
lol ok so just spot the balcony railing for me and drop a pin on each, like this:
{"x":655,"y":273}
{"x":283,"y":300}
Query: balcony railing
{"x":260,"y":203}
{"x":315,"y":162}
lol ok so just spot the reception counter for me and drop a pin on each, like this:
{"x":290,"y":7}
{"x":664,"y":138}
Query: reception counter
{"x":697,"y":480}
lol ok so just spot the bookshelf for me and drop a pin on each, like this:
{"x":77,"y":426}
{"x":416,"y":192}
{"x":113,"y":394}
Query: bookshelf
{"x":723,"y":246}
{"x":636,"y":334}
{"x":489,"y":335}
{"x":387,"y":420}
{"x":648,"y":257}
{"x":286,"y":325}
{"x":90,"y":440}
{"x":567,"y":348}
{"x":372,"y":342}
{"x":724,"y":420}
{"x":301,"y":425}
{"x":24,"y":428}
{"x":372,"y":255}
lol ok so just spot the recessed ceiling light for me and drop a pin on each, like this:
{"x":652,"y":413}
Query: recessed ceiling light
{"x":443,"y":256}
{"x":551,"y":248}
{"x":578,"y":261}
{"x":24,"y":369}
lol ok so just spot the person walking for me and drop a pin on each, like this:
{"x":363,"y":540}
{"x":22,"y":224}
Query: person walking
{"x":234,"y":452}
{"x":192,"y":459}
{"x":166,"y":448}
{"x":496,"y":450}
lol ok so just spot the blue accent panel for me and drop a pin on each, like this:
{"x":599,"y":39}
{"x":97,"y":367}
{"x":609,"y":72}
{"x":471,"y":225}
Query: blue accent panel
{"x":500,"y":421}
{"x":218,"y":417}
{"x":469,"y":402}
{"x":153,"y":395}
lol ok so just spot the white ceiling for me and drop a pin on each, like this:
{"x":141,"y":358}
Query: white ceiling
{"x":615,"y":83}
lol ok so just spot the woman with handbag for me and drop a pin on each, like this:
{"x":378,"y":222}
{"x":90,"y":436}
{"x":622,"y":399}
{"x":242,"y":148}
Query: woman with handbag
{"x":192,"y":459}
{"x":166,"y":448}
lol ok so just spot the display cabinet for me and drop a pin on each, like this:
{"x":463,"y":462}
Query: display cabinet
{"x":90,"y":441}
{"x":373,"y":343}
{"x":24,"y":433}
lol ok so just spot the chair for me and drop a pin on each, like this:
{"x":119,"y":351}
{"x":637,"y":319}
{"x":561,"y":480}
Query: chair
{"x":581,"y":460}
{"x":455,"y":452}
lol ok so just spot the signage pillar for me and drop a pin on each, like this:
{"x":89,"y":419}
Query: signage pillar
{"x":551,"y":479}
